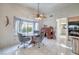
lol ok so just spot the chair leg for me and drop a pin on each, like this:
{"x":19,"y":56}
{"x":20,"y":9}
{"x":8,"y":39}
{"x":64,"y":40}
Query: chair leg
{"x":38,"y":45}
{"x":24,"y":45}
{"x":19,"y":45}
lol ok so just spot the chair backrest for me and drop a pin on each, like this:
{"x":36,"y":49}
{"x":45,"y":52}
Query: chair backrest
{"x":23,"y":39}
{"x":39,"y":37}
{"x":20,"y":37}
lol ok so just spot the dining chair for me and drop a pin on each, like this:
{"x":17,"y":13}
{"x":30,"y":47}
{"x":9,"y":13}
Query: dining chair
{"x":24,"y":40}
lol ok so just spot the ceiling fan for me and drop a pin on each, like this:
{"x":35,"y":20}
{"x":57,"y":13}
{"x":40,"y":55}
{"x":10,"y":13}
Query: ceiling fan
{"x":38,"y":15}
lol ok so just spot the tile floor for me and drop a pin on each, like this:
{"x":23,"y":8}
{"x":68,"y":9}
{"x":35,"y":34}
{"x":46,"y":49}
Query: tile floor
{"x":50,"y":47}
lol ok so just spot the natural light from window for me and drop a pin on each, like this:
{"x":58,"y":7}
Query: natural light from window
{"x":26,"y":26}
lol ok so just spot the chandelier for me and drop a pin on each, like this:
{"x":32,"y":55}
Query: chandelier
{"x":38,"y":15}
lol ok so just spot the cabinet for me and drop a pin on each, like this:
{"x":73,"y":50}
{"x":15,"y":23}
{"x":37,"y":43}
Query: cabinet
{"x":75,"y":44}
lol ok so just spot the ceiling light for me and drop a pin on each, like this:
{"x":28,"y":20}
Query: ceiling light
{"x":38,"y":15}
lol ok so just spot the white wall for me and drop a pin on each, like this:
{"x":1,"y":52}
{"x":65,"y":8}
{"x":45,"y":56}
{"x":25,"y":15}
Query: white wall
{"x":50,"y":22}
{"x":7,"y":37}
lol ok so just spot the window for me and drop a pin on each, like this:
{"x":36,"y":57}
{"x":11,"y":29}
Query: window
{"x":25,"y":26}
{"x":36,"y":27}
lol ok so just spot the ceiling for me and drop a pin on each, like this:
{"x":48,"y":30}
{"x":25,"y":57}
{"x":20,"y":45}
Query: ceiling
{"x":51,"y":8}
{"x":45,"y":7}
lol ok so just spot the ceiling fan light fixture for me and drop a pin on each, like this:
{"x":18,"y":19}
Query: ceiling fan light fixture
{"x":38,"y":18}
{"x":38,"y":15}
